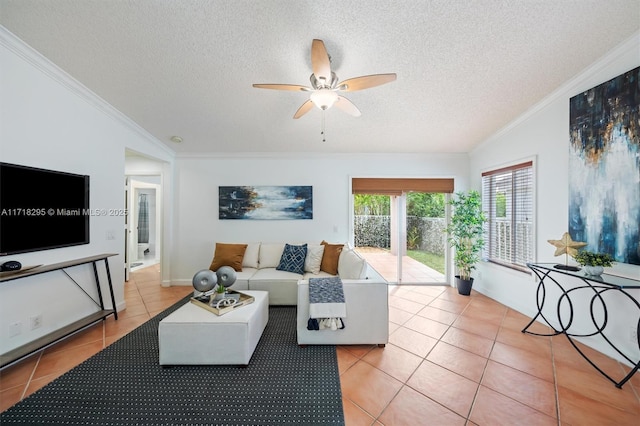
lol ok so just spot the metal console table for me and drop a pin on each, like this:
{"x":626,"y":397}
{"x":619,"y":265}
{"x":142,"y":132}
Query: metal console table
{"x":24,"y":351}
{"x":597,"y":286}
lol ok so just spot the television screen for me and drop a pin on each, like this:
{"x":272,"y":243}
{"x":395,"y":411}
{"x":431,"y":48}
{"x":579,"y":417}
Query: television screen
{"x":42,"y":209}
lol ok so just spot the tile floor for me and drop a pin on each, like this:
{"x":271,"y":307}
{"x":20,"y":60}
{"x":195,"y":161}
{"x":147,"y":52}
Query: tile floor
{"x":451,"y":360}
{"x":462,"y":360}
{"x":387,"y":265}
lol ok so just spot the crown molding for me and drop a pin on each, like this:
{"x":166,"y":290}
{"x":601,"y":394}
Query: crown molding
{"x":318,"y":155}
{"x":57,"y":74}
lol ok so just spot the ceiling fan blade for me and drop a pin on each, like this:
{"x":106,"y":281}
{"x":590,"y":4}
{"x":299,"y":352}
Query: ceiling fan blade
{"x":347,"y":106}
{"x":305,"y":108}
{"x":365,"y":82}
{"x":293,"y":87}
{"x":320,"y":61}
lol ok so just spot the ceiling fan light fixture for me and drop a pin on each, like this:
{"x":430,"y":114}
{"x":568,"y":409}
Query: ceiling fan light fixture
{"x":325,"y":85}
{"x":324,"y":98}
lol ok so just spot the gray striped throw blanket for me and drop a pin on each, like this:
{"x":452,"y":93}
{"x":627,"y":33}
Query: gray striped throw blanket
{"x":327,"y":308}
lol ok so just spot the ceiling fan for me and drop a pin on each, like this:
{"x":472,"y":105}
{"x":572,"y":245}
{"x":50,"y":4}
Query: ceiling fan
{"x":325,"y":85}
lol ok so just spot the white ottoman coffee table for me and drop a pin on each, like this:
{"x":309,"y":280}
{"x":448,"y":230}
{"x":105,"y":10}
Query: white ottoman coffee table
{"x":192,"y":335}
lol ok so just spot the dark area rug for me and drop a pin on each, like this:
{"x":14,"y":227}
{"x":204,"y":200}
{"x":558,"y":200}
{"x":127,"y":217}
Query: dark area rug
{"x":124,"y":385}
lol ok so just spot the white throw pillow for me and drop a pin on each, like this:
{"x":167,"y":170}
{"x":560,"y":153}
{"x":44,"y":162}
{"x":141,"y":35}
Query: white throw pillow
{"x":314,"y":258}
{"x":250,"y":259}
{"x":351,"y":266}
{"x":270,"y":254}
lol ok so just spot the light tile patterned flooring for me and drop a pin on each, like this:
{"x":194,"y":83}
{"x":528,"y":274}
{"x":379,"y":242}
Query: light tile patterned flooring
{"x":451,"y":360}
{"x":387,"y":265}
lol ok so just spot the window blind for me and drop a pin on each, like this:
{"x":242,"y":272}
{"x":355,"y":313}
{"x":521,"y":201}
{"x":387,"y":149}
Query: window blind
{"x":507,"y":198}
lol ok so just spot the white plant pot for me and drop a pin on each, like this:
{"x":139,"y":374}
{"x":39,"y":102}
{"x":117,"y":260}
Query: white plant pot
{"x":593,"y":270}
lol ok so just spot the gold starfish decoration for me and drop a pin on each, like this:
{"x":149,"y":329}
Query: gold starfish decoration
{"x":566,"y":245}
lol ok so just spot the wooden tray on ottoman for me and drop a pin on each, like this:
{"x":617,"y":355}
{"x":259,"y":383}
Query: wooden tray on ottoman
{"x":243,"y":299}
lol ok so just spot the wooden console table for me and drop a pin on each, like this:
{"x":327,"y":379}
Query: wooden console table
{"x":597,"y":286}
{"x":25,"y":350}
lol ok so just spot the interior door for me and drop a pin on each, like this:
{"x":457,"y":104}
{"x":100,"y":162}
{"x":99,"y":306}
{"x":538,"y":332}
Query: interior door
{"x":127,"y":267}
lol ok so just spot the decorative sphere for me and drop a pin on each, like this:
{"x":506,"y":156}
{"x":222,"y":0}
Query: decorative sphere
{"x":226,"y":276}
{"x":204,"y":280}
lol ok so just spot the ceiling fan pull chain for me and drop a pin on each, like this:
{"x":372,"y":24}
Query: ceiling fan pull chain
{"x":324,"y":139}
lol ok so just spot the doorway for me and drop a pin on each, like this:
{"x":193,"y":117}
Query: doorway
{"x":144,"y":221}
{"x":398,"y":227}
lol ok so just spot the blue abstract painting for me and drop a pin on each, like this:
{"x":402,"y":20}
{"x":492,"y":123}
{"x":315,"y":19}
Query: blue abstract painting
{"x":604,"y":168}
{"x":265,"y":202}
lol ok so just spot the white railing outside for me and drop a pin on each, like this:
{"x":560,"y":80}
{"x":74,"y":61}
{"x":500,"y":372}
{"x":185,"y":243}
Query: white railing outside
{"x":502,"y":247}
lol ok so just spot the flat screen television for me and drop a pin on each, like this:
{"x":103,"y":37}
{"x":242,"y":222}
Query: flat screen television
{"x":42,"y":209}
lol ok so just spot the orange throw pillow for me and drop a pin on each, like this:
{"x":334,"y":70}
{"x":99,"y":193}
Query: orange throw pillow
{"x":228,"y":255}
{"x":330,"y":257}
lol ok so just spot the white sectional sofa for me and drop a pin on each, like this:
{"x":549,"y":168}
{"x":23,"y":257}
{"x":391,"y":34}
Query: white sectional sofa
{"x":367,"y":320}
{"x":365,"y":290}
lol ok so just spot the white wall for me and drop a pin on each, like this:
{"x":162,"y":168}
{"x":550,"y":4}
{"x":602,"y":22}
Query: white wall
{"x":543,"y":133}
{"x":197,"y":225}
{"x":51,"y":121}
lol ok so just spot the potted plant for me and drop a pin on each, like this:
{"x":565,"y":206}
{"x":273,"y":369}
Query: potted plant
{"x":465,"y":236}
{"x":593,"y":263}
{"x":220,"y":292}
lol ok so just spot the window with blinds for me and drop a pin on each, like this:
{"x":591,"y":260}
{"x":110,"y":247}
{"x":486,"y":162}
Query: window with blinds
{"x":507,"y":198}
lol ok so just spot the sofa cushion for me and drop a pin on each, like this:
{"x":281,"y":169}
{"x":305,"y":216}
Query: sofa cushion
{"x":272,"y":275}
{"x":251,"y":255}
{"x":351,"y":265}
{"x":270,"y":254}
{"x":228,"y":255}
{"x":281,"y":285}
{"x":292,"y":259}
{"x":330,"y":257}
{"x":320,"y":274}
{"x":314,"y":258}
{"x":242,"y":279}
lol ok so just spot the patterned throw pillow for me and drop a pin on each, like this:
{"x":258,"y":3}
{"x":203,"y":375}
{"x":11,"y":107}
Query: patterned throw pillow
{"x":292,"y":259}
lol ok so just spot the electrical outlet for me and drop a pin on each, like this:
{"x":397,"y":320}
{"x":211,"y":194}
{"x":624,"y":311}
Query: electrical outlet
{"x":36,"y":321}
{"x":15,"y":328}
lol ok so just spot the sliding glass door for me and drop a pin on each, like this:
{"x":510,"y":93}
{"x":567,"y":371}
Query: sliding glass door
{"x":424,"y":241}
{"x":373,"y":233}
{"x":402,"y":236}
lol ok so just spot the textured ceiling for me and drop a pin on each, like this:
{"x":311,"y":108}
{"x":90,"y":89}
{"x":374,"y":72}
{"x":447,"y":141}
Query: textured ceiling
{"x":465,"y":68}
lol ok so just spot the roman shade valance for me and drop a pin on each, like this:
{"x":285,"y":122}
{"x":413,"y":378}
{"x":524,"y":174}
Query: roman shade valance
{"x":396,"y":186}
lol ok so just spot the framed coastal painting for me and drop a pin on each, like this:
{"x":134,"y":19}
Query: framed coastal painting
{"x":604,"y":168}
{"x":265,"y":202}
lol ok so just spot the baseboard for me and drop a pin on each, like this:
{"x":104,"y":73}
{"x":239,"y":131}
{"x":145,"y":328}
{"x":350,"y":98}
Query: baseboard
{"x":179,"y":282}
